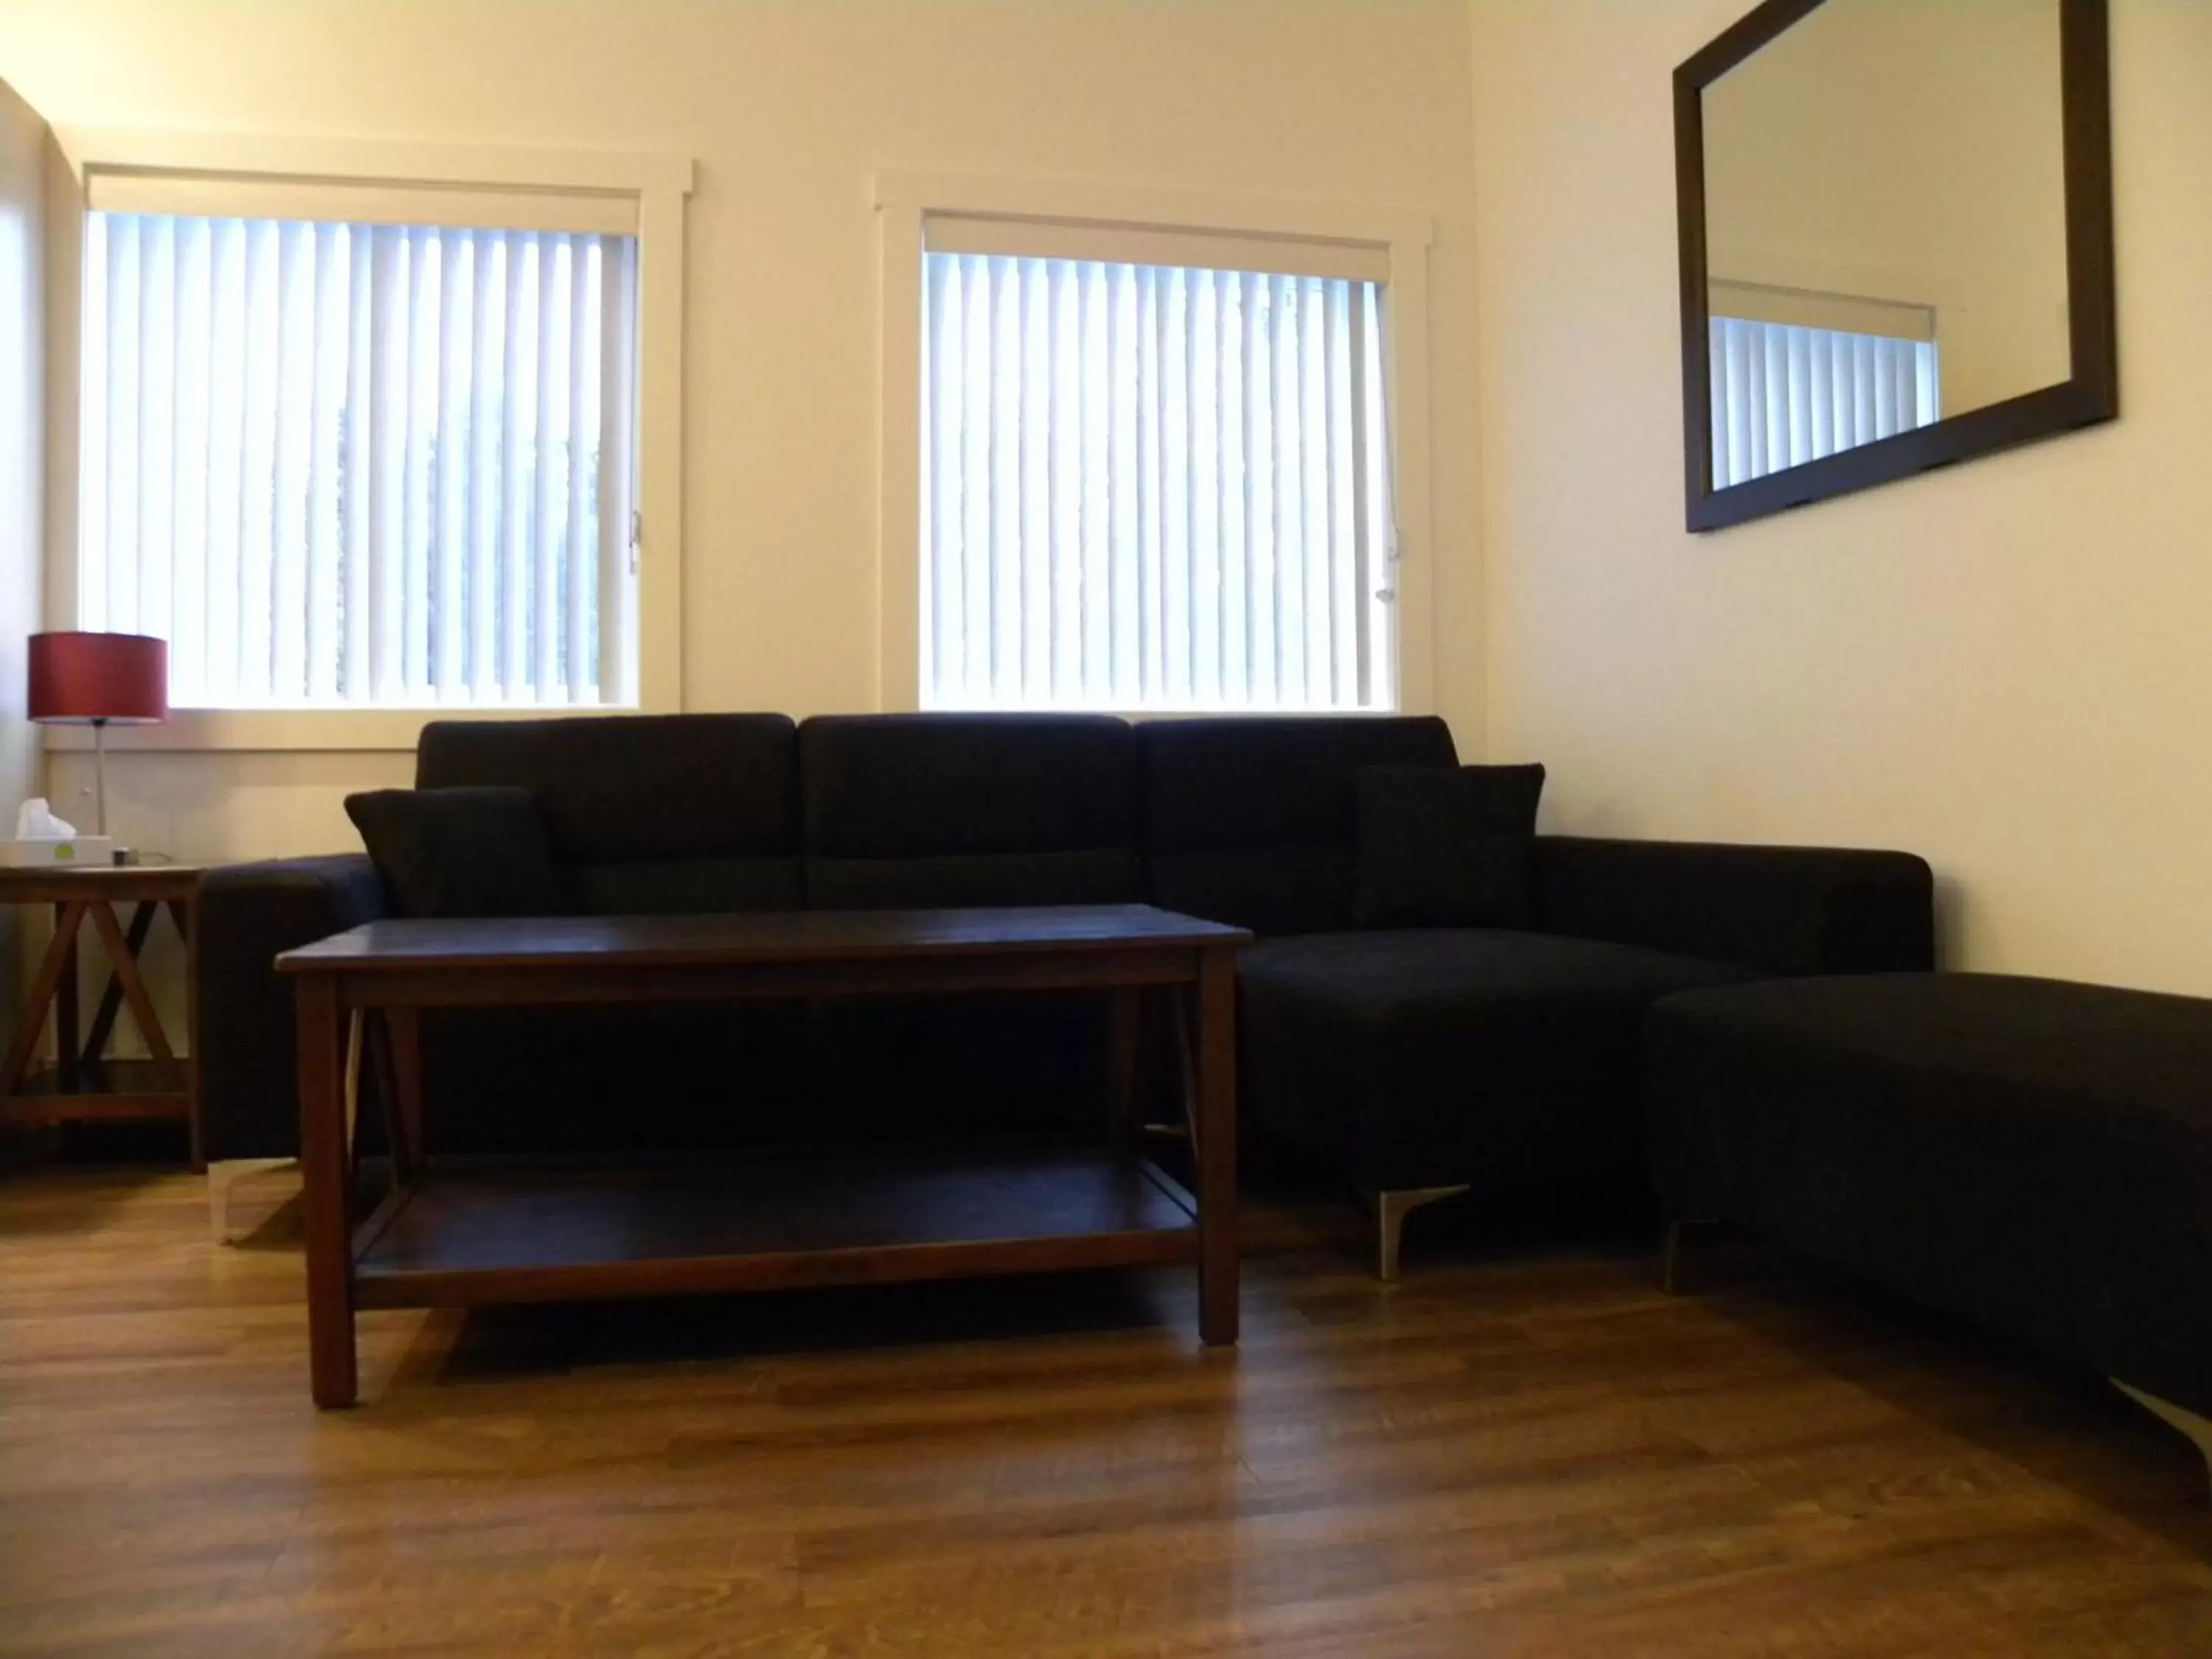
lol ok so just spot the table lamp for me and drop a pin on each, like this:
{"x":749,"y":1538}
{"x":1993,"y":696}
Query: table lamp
{"x":96,"y":679}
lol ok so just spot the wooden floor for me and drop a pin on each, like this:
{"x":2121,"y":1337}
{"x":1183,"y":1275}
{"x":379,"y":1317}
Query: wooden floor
{"x":1513,"y":1452}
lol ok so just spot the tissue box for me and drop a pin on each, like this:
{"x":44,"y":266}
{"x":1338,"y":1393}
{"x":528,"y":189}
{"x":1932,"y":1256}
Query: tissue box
{"x":95,"y":850}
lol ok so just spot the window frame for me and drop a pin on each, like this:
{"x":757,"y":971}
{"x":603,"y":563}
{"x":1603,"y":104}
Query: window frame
{"x":905,"y":200}
{"x":658,"y":186}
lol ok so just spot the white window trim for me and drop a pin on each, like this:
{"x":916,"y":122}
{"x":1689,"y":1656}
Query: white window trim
{"x":904,"y":199}
{"x":658,"y":184}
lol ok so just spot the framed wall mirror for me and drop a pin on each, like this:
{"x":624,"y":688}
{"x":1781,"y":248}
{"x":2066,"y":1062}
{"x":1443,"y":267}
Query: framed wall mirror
{"x":1896,"y":243}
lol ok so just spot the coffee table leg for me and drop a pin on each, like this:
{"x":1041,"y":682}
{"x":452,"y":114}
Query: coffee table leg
{"x":323,"y":1158}
{"x":1216,"y":1147}
{"x":406,"y":1029}
{"x":1126,"y":1108}
{"x":397,"y":1037}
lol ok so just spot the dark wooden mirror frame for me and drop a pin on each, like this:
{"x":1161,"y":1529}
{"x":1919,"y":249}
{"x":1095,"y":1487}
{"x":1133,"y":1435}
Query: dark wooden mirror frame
{"x":2090,"y":396}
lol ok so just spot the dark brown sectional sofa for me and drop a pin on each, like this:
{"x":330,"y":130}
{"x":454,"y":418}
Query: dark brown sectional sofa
{"x":1415,"y":1062}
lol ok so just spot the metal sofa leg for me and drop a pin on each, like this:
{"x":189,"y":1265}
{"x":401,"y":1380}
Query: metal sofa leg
{"x":1670,"y":1259}
{"x":222,"y":1174}
{"x":1673,"y":1250}
{"x":1391,"y":1209}
{"x":2198,"y":1429}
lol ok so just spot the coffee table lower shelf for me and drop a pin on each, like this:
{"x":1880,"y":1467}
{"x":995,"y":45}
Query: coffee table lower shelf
{"x":520,"y":1233}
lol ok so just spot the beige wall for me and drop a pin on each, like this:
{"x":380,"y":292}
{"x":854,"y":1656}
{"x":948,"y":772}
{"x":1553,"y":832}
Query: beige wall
{"x":2005,"y":665}
{"x":790,"y":106}
{"x":23,"y":195}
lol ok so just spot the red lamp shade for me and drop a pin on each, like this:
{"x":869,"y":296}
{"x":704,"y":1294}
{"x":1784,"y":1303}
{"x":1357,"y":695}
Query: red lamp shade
{"x":88,"y":679}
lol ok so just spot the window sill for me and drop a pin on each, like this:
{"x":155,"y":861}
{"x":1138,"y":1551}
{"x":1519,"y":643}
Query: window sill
{"x":331,"y":731}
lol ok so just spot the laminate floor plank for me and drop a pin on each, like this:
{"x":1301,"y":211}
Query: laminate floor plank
{"x":1519,"y":1452}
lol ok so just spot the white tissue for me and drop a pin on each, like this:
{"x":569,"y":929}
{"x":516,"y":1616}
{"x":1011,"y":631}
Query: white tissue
{"x":35,"y":821}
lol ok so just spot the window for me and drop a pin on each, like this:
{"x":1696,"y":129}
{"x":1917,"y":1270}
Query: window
{"x":1152,"y":483}
{"x":1798,"y":376}
{"x":355,"y":462}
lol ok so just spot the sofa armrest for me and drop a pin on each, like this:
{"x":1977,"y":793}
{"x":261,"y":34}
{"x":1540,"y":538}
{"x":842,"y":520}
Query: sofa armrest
{"x":1785,"y":911}
{"x":249,"y":1070}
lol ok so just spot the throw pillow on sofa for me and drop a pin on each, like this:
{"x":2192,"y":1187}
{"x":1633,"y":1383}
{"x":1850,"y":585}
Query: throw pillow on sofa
{"x":1448,"y":848}
{"x":476,"y":851}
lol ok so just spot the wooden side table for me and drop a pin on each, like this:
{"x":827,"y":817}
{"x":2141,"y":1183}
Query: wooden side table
{"x":83,"y":1084}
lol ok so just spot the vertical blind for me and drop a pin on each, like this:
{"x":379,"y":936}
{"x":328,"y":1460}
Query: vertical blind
{"x":1153,"y":487}
{"x":1784,"y":395}
{"x":340,"y":464}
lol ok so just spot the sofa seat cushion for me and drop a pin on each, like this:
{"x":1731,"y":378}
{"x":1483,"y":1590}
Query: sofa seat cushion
{"x":2030,"y":1154}
{"x":854,"y":1077}
{"x":1431,"y":1056}
{"x":685,"y":887}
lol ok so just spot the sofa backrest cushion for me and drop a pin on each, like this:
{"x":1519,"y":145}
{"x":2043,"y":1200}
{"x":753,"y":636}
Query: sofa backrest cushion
{"x":1255,"y":821}
{"x":950,"y":809}
{"x":649,"y":813}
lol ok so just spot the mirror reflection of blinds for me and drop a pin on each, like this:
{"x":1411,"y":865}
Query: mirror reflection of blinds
{"x":1784,"y":395}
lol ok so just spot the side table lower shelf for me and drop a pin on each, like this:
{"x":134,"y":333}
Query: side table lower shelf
{"x":524,"y":1233}
{"x":105,"y":1090}
{"x":85,"y":1084}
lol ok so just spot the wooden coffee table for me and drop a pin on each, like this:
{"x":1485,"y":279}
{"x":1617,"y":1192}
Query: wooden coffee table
{"x":482,"y":1233}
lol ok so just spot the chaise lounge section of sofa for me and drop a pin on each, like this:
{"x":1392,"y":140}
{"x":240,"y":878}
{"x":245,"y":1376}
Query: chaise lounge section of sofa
{"x":1427,"y":1062}
{"x":2033,"y":1155}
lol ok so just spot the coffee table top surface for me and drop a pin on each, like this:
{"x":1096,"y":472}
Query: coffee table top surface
{"x":768,"y":936}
